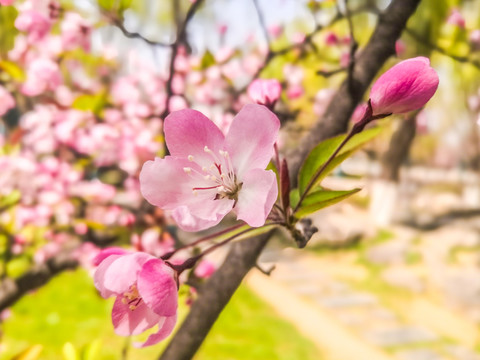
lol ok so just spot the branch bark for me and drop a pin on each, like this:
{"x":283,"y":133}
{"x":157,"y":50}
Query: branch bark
{"x":205,"y":311}
{"x":243,"y":255}
{"x":12,"y":290}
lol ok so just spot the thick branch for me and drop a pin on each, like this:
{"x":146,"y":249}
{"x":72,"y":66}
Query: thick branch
{"x":213,"y":297}
{"x":218,"y":290}
{"x":12,"y":290}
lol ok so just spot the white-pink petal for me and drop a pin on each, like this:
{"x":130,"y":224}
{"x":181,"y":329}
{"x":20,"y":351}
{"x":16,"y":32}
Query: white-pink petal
{"x":256,"y":199}
{"x":251,"y":138}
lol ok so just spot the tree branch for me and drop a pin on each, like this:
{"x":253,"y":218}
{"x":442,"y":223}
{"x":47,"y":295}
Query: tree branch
{"x":213,"y":297}
{"x":218,"y":290}
{"x":12,"y":290}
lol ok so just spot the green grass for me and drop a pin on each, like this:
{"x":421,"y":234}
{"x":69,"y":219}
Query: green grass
{"x":69,"y":310}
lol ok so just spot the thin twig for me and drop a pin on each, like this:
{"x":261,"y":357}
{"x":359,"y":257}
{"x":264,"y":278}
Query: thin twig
{"x":462,"y":59}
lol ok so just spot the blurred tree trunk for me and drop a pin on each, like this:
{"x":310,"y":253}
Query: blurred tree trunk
{"x":380,"y":47}
{"x":385,"y":200}
{"x":399,"y":149}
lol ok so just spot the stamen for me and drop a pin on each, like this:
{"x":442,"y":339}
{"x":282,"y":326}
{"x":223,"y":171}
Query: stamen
{"x":187,"y":170}
{"x":190,"y":158}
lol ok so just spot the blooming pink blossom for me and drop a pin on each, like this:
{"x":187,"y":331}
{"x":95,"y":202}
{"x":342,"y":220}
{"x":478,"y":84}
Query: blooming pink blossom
{"x":405,"y":87}
{"x":145,"y":290}
{"x":7,"y":101}
{"x":265,"y":91}
{"x":209,"y":174}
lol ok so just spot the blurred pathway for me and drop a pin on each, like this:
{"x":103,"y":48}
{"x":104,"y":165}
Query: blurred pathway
{"x":316,"y":294}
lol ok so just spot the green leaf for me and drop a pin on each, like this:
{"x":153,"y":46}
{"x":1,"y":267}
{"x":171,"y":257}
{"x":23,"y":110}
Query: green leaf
{"x":320,"y":154}
{"x":93,"y":103}
{"x":118,"y":6}
{"x":32,"y":353}
{"x":8,"y":14}
{"x":69,"y":352}
{"x":322,"y":198}
{"x":92,"y":350}
{"x":207,"y":60}
{"x":12,"y":69}
{"x":10,"y":199}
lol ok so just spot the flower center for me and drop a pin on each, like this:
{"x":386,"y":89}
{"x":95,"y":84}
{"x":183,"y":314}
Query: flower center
{"x":131,"y":297}
{"x":220,"y":173}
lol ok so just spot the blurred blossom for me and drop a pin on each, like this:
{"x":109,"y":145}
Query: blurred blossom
{"x":42,"y":74}
{"x":331,"y":39}
{"x":265,"y":91}
{"x":275,"y":30}
{"x":400,"y":47}
{"x":75,"y":32}
{"x":205,"y":269}
{"x":321,"y":101}
{"x":34,"y":23}
{"x":456,"y":18}
{"x":294,"y":91}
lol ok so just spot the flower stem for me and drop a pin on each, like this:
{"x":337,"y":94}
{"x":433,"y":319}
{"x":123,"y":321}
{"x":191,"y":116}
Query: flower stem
{"x":190,"y":263}
{"x":357,"y":128}
{"x":198,"y":241}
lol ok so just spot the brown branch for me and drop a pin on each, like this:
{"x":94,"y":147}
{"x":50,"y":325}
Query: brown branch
{"x":181,"y":40}
{"x":213,"y":297}
{"x":12,"y":290}
{"x":435,"y":47}
{"x":218,"y":290}
{"x":134,"y":35}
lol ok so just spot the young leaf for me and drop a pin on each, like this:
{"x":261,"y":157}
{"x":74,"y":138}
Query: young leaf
{"x":320,"y":199}
{"x":320,"y":154}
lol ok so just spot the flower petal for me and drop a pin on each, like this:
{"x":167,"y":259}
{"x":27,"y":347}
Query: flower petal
{"x":118,"y":272}
{"x":105,"y":253}
{"x":259,"y":193}
{"x":202,"y":216}
{"x":165,"y":328}
{"x":251,"y":137}
{"x":188,"y":131}
{"x":132,"y":322}
{"x":158,"y":288}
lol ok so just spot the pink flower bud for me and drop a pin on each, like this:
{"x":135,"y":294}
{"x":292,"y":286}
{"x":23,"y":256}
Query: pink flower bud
{"x":264,"y":91}
{"x":405,"y":87}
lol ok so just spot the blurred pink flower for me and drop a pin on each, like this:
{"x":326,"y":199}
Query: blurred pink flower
{"x":75,"y":32}
{"x":34,"y":23}
{"x":209,"y":174}
{"x":146,"y":294}
{"x":275,"y":30}
{"x":43,"y":74}
{"x":400,"y":47}
{"x":205,"y":269}
{"x":7,"y":101}
{"x":265,"y":91}
{"x":405,"y":87}
{"x":456,"y":18}
{"x":331,"y":39}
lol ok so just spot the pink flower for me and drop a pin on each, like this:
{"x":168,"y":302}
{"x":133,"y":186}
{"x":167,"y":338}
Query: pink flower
{"x":7,"y":101}
{"x":146,"y":294}
{"x":43,"y":74}
{"x":405,"y":87}
{"x":205,"y":269}
{"x":209,"y":174}
{"x":265,"y":91}
{"x":34,"y":23}
{"x":6,"y":2}
{"x":456,"y":19}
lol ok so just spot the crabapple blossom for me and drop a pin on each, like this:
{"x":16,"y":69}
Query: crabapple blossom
{"x":34,"y":23}
{"x":209,"y":174}
{"x":405,"y":87}
{"x":146,"y":293}
{"x":265,"y":91}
